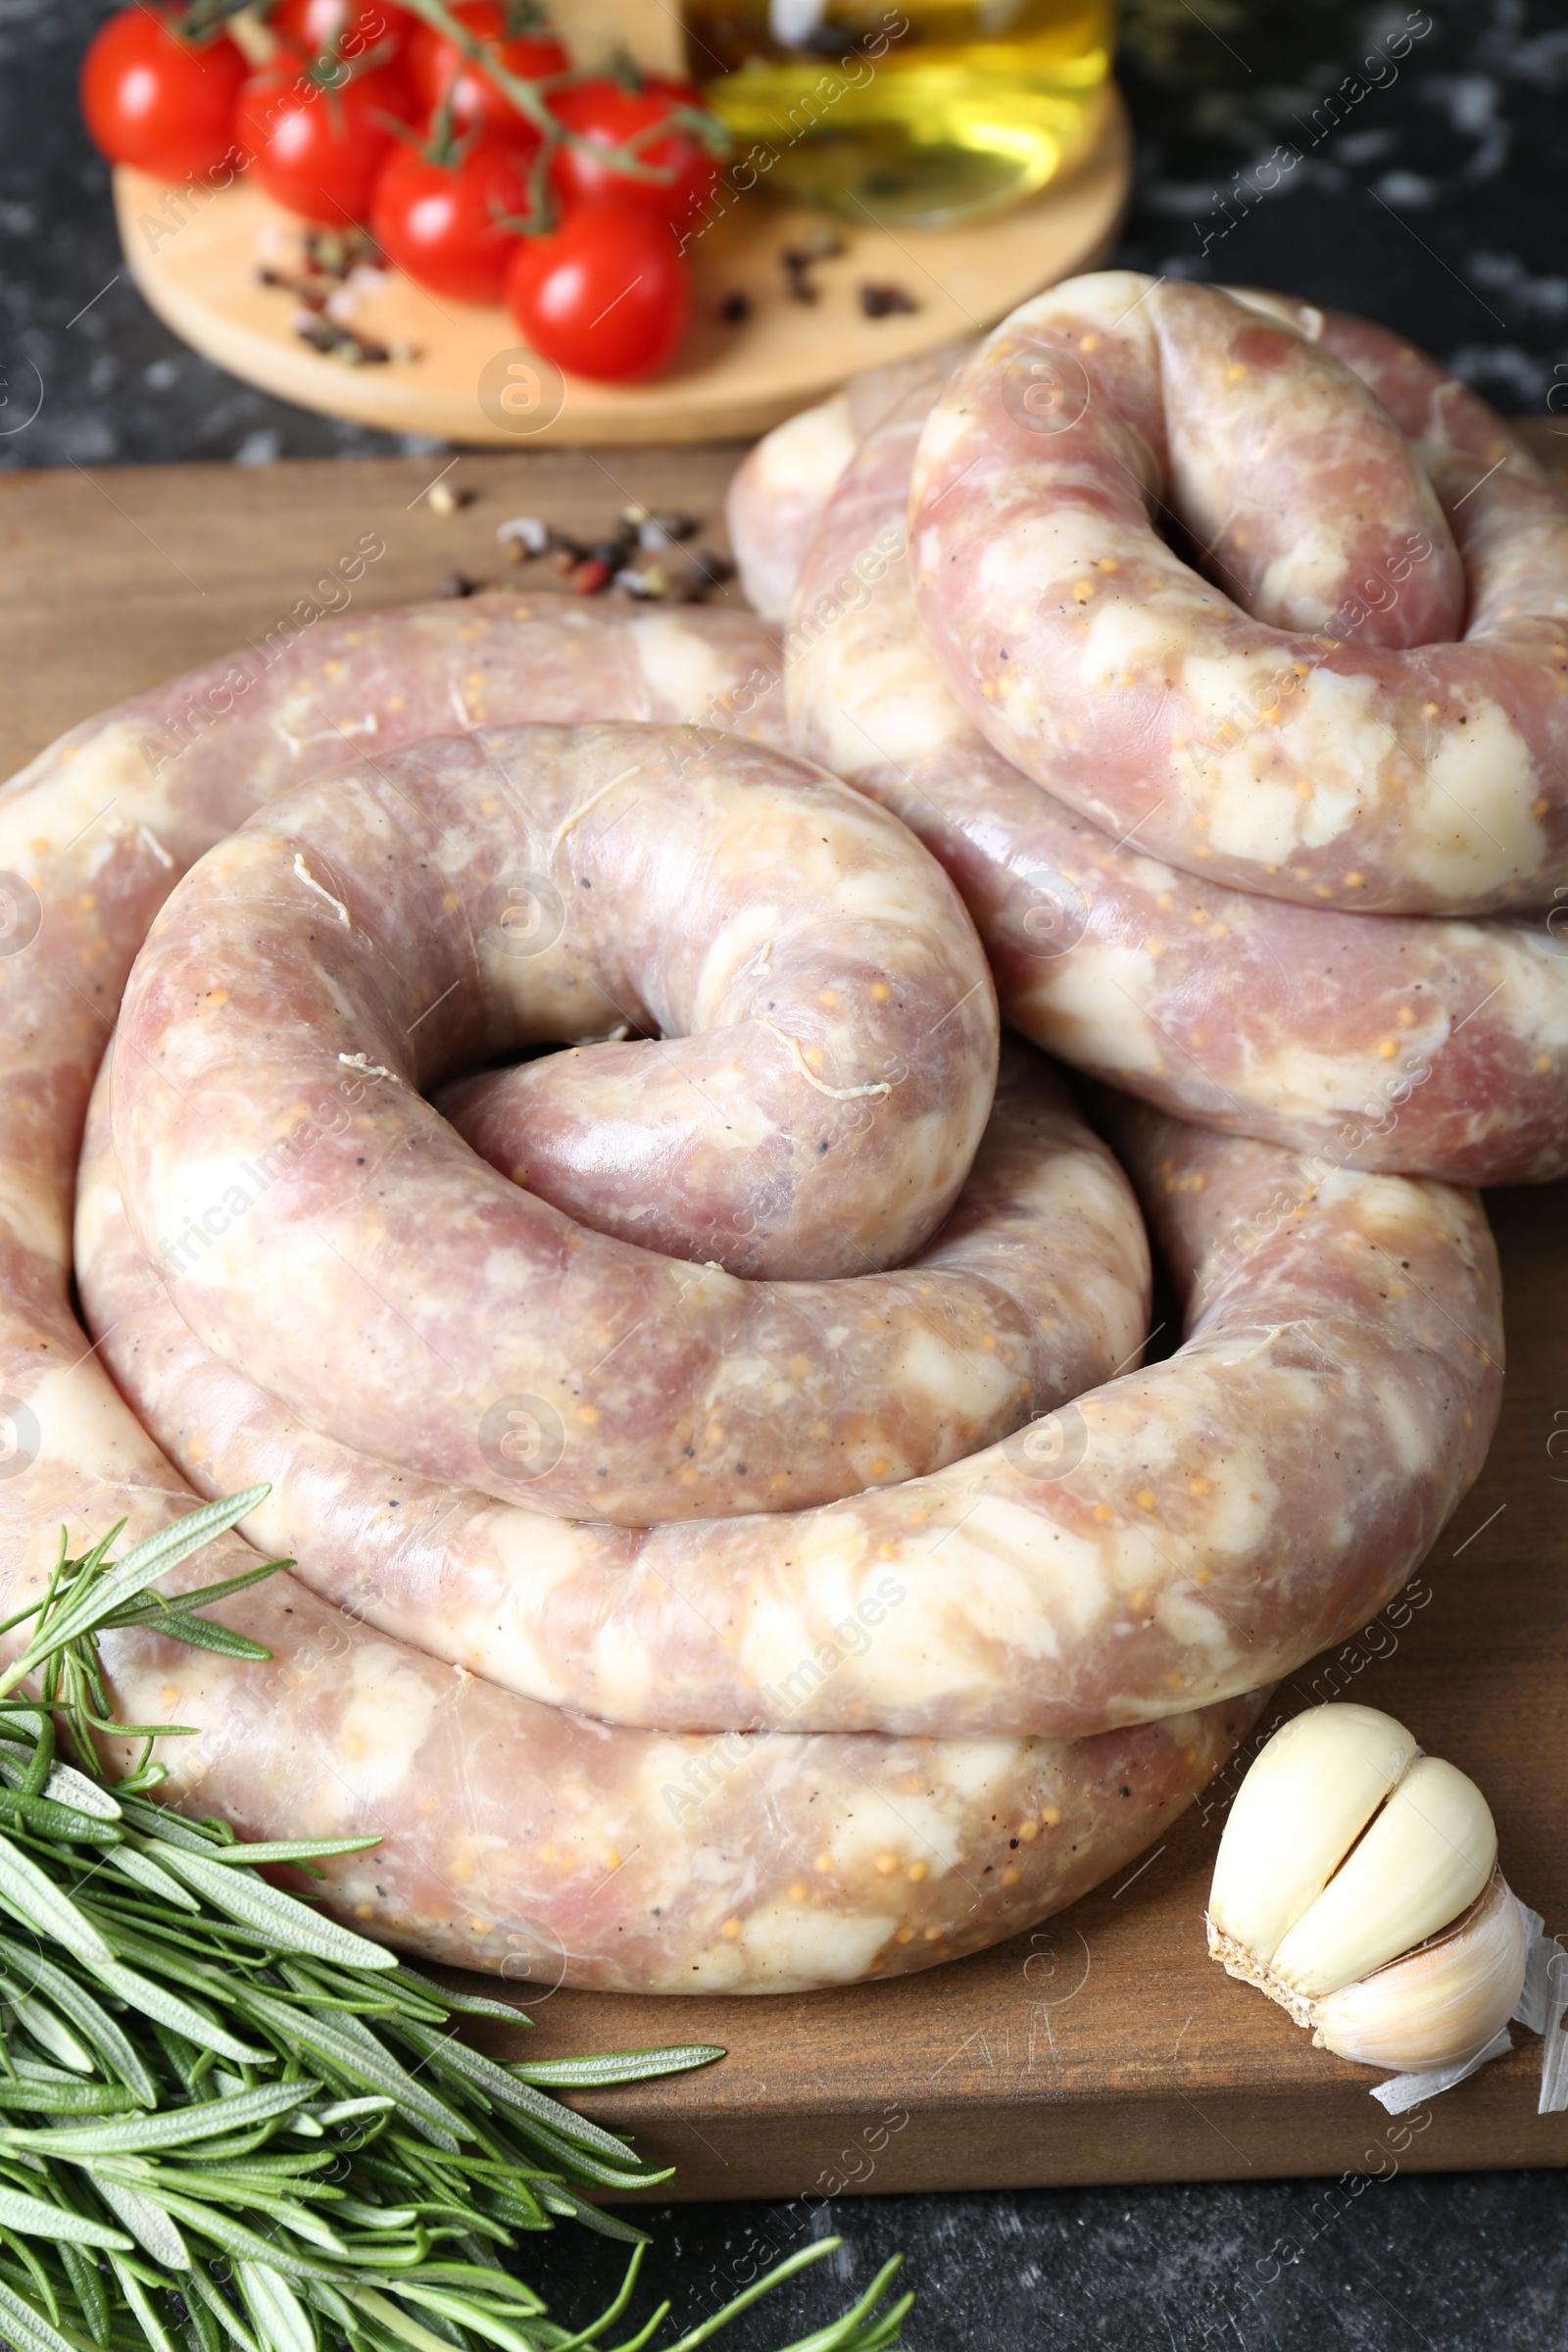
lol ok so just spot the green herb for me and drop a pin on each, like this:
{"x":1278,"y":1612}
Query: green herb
{"x":228,"y":2123}
{"x":531,"y":96}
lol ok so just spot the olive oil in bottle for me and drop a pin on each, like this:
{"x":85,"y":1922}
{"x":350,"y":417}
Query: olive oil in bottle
{"x":922,"y":114}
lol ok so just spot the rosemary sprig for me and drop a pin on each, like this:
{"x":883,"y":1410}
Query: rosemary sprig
{"x":87,"y":1597}
{"x":226,"y":2121}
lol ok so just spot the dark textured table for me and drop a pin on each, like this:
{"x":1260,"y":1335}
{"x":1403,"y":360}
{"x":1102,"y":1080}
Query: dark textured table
{"x":1427,"y":189}
{"x":1343,"y":152}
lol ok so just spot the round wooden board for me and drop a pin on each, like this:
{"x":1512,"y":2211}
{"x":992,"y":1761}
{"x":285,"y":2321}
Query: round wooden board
{"x":198,"y":264}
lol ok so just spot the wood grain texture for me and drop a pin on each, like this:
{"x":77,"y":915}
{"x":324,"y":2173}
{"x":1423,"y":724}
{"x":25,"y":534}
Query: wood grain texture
{"x":1105,"y":2045}
{"x":114,"y":578}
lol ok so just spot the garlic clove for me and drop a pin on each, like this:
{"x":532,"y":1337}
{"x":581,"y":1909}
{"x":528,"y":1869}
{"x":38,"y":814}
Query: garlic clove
{"x":1302,"y":1807}
{"x":1439,"y":2005}
{"x":1356,"y":1886}
{"x":1424,"y":1860}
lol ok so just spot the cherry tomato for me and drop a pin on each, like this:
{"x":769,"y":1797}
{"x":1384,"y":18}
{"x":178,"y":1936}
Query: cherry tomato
{"x":439,"y":221}
{"x":317,"y":150}
{"x":154,"y":99}
{"x":437,"y":66}
{"x":346,"y":28}
{"x":604,"y":295}
{"x":606,"y":113}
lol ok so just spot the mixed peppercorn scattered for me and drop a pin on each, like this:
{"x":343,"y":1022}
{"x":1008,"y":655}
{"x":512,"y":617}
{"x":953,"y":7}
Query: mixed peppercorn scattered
{"x":655,"y":557}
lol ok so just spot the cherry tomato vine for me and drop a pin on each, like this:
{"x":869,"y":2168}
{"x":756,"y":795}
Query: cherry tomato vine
{"x":485,"y":163}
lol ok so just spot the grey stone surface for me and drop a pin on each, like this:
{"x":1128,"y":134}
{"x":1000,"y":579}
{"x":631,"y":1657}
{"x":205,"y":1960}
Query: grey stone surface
{"x":1476,"y":2264}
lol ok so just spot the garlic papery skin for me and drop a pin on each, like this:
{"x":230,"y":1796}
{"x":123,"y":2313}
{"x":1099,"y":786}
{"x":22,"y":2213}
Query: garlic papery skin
{"x":1440,"y":2005}
{"x":1424,"y":1859}
{"x":1356,"y":1885}
{"x":1302,"y":1807}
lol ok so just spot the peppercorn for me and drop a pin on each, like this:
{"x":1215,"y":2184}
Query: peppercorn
{"x":878,"y":301}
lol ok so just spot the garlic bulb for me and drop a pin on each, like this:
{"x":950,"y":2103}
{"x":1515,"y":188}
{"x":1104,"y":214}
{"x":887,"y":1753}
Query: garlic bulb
{"x":1356,"y":1885}
{"x":1443,"y":2003}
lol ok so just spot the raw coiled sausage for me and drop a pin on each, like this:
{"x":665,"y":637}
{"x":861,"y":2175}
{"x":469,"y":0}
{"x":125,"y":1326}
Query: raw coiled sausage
{"x":1119,"y":1559}
{"x":1178,"y":1535}
{"x":515,"y":1836}
{"x":1402,"y":1043}
{"x":1292,"y":738}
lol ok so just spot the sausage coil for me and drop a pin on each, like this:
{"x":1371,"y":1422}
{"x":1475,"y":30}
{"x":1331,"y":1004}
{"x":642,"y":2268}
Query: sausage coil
{"x":739,"y":1545}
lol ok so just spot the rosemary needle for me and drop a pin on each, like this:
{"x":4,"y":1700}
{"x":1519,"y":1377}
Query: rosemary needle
{"x":228,"y":2123}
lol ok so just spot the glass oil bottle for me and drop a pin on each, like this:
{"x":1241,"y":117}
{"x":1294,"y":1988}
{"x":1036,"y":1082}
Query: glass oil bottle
{"x":920,"y":115}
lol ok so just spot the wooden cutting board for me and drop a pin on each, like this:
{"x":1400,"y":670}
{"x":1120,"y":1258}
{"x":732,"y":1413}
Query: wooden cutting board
{"x":1105,"y":2045}
{"x":459,"y":370}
